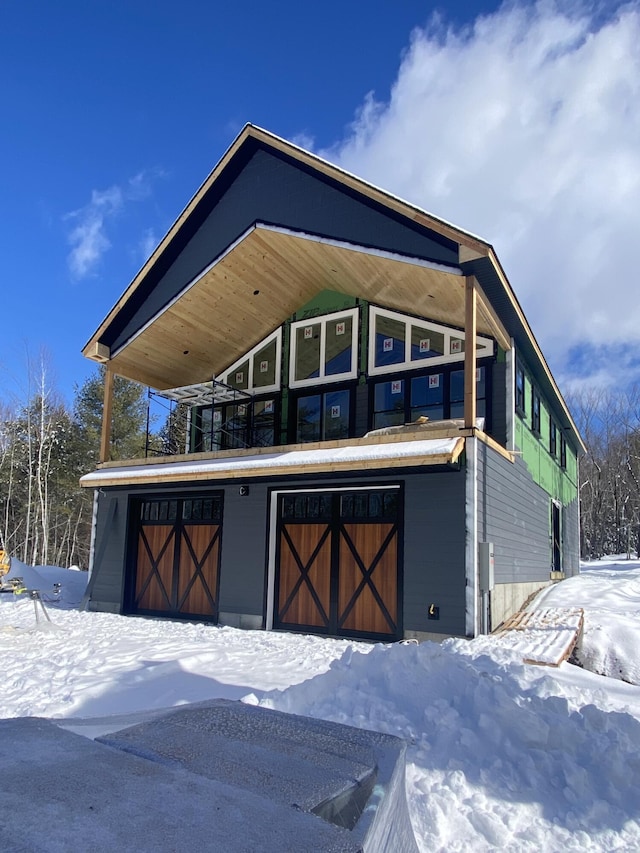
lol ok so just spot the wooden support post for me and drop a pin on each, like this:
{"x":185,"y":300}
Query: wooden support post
{"x":105,"y":442}
{"x":470,"y":352}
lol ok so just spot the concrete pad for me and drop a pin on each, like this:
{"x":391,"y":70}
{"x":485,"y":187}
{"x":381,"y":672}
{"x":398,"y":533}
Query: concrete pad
{"x":62,"y":793}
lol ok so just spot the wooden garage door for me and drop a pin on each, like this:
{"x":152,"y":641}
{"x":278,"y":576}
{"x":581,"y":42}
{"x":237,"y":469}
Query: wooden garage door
{"x":337,"y":563}
{"x":177,"y":559}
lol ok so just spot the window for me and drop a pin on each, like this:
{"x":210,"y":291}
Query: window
{"x":371,"y":505}
{"x":437,"y":396}
{"x":556,"y":537}
{"x":208,"y":508}
{"x":427,"y":397}
{"x":553,"y":438}
{"x":563,"y":452}
{"x":259,"y":369}
{"x":324,"y":349}
{"x":399,"y":342}
{"x":520,"y":390}
{"x":241,"y":424}
{"x":389,"y":404}
{"x":535,"y":411}
{"x":323,"y":417}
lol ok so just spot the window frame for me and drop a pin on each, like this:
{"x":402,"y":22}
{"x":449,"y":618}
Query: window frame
{"x":553,"y":438}
{"x":198,"y":434}
{"x":446,"y":370}
{"x":449,"y":332}
{"x":292,"y":432}
{"x":563,"y":452}
{"x":323,"y":320}
{"x":520,"y":393}
{"x":536,"y":410}
{"x":249,"y":356}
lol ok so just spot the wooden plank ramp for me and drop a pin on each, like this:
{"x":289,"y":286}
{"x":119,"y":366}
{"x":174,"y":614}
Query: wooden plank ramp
{"x":545,"y":637}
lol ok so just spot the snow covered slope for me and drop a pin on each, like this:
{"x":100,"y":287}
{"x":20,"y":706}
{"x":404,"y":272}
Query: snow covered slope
{"x":501,"y":755}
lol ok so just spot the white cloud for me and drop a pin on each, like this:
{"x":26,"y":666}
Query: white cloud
{"x":148,"y":244}
{"x":525,"y":129}
{"x":88,"y":235}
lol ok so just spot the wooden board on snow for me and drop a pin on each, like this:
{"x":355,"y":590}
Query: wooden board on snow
{"x":545,"y":637}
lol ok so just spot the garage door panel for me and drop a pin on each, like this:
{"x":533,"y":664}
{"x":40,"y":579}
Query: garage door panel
{"x":368,"y":578}
{"x":178,"y":562}
{"x":304,"y":582}
{"x":155,"y":567}
{"x":198,"y":570}
{"x":365,"y":614}
{"x":196,"y":599}
{"x":341,"y":576}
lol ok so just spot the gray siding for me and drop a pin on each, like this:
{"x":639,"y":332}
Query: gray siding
{"x":514,"y":514}
{"x":433,"y":550}
{"x":244,"y":544}
{"x":571,"y":538}
{"x":107,"y":577}
{"x":262,"y":185}
{"x":362,"y":409}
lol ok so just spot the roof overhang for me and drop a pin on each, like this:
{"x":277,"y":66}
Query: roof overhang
{"x":260,"y":281}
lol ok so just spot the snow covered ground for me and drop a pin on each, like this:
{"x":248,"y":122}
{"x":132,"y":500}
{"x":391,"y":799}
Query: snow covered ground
{"x":502,"y":755}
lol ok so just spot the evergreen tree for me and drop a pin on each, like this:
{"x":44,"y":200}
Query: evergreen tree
{"x":128,"y":438}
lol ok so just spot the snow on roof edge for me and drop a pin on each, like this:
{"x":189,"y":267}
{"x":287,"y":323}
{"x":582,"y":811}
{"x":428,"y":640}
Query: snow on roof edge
{"x":287,"y":459}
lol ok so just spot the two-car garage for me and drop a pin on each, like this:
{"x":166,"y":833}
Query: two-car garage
{"x":335,"y":568}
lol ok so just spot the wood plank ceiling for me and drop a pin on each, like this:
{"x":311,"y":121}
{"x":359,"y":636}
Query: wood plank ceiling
{"x":263,"y":280}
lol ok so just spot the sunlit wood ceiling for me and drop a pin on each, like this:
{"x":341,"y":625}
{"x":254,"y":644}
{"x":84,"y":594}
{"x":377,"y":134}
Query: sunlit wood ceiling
{"x":267,"y":276}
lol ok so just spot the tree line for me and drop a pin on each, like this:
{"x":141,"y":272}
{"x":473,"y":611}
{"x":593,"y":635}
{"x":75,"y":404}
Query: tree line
{"x":45,"y":447}
{"x":609,"y":422}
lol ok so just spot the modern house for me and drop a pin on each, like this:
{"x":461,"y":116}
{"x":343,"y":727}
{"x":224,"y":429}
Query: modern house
{"x":376,"y":446}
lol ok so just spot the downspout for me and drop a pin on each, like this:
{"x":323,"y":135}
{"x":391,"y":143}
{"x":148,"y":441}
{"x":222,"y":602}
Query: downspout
{"x":94,"y":528}
{"x":471,"y":538}
{"x":471,"y":450}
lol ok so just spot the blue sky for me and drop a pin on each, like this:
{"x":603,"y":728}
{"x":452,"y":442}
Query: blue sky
{"x":517,"y":122}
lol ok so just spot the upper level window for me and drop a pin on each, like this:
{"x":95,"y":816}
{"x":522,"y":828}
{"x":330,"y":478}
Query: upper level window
{"x":232,"y":425}
{"x":437,"y":396}
{"x":563,"y":452}
{"x":324,"y":416}
{"x":324,"y":349}
{"x":553,"y":438}
{"x":520,"y":406}
{"x":258,"y":370}
{"x":398,"y":342}
{"x":535,"y":411}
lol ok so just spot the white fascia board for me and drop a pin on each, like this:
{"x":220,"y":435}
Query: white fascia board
{"x":363,"y":250}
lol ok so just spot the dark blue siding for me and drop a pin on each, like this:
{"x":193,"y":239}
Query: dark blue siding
{"x":272,"y":188}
